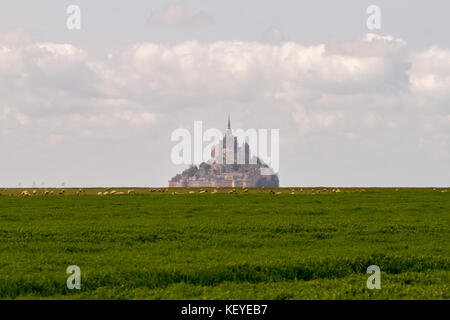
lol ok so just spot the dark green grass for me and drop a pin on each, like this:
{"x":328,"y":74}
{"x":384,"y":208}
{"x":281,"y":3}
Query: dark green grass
{"x":221,"y":246}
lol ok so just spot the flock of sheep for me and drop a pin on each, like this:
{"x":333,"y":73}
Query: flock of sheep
{"x":114,"y":192}
{"x":110,"y":191}
{"x":246,"y":190}
{"x":46,"y":192}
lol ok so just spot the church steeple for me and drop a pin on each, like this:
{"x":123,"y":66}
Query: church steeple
{"x":229,"y":123}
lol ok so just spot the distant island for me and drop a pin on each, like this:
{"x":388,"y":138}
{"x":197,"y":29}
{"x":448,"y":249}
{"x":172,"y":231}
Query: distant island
{"x":218,"y":172}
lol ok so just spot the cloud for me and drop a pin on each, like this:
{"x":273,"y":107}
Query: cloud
{"x":176,"y":15}
{"x":370,"y":92}
{"x":372,"y":45}
{"x":235,"y":70}
{"x":430,"y":72}
{"x":150,"y":78}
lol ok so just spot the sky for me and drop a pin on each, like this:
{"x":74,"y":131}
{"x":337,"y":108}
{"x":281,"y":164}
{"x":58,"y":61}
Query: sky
{"x":97,"y":106}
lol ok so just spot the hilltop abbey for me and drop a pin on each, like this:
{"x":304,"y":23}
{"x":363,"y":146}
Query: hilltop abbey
{"x":229,"y":166}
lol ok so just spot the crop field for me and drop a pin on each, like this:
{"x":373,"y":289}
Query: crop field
{"x":180,"y":244}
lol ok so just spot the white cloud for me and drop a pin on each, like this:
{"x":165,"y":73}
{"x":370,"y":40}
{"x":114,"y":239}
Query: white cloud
{"x":371,"y":45}
{"x":430,"y":72}
{"x":338,"y":94}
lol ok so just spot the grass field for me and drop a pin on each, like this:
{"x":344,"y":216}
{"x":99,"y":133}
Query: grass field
{"x":226,"y":246}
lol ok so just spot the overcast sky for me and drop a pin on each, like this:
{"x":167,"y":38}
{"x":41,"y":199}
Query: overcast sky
{"x":97,"y":106}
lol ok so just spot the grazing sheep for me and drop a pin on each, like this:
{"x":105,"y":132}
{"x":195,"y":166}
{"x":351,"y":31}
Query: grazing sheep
{"x":444,"y":191}
{"x":46,"y":193}
{"x":25,"y":193}
{"x":338,"y":190}
{"x":119,"y":193}
{"x":100,"y":193}
{"x":130,"y":191}
{"x":62,"y":191}
{"x":51,"y":193}
{"x":105,"y":193}
{"x":246,"y":190}
{"x":279,"y":192}
{"x":191,"y":192}
{"x":34,"y":192}
{"x":113,"y":192}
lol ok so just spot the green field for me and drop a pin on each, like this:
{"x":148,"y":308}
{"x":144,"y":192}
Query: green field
{"x":258,"y":245}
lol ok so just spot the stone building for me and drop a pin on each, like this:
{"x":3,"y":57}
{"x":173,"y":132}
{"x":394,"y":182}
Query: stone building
{"x":220,"y":171}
